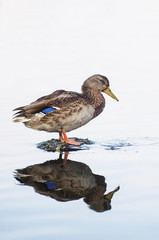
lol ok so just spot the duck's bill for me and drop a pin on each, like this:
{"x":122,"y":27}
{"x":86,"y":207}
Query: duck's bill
{"x":110,"y":194}
{"x":109,"y":92}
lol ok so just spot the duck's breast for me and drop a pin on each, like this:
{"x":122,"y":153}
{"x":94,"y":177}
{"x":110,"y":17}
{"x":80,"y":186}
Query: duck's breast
{"x":77,"y":117}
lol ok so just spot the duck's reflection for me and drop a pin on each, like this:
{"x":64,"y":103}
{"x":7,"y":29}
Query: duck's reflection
{"x":71,"y":181}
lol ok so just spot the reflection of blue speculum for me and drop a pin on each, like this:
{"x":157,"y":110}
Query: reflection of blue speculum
{"x":50,"y":185}
{"x":66,"y":182}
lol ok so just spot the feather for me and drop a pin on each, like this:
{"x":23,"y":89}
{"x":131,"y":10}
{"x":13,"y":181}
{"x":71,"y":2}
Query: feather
{"x":47,"y":110}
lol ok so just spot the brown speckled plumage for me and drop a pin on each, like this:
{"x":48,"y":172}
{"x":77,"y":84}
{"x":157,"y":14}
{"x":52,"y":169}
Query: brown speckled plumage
{"x":72,"y":109}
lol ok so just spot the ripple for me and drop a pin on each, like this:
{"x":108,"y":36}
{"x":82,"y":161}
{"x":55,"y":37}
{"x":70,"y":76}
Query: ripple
{"x":116,"y":146}
{"x":119,"y":144}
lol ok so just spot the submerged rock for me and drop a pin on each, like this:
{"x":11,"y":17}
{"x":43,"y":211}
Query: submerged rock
{"x":54,"y":145}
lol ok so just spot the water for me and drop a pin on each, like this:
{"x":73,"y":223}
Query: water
{"x":27,"y":212}
{"x":49,"y":46}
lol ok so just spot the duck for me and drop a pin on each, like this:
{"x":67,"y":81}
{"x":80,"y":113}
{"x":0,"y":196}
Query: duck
{"x":63,"y":111}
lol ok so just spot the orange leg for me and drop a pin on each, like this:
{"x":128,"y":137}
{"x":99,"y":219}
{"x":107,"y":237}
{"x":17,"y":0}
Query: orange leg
{"x":63,"y":138}
{"x":65,"y":158}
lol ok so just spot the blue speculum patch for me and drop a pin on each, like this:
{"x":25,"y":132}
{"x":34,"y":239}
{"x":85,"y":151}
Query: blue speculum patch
{"x":50,"y":185}
{"x":47,"y":110}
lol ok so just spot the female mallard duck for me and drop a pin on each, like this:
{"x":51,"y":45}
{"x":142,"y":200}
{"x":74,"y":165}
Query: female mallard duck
{"x":63,"y":111}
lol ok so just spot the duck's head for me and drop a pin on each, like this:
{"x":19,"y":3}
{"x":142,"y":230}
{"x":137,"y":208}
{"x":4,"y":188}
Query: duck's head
{"x":99,"y":83}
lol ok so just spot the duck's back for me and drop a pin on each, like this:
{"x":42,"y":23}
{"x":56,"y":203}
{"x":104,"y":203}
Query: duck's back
{"x":57,"y":99}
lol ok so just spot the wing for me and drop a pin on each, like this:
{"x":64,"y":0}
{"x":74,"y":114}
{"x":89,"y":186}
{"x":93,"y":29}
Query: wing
{"x":57,"y":99}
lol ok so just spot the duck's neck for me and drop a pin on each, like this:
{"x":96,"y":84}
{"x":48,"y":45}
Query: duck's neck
{"x":95,"y":98}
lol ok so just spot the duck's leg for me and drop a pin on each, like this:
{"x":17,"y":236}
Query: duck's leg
{"x":65,"y":158}
{"x":63,"y":138}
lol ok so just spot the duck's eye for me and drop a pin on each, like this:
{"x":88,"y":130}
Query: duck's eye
{"x":102,"y":81}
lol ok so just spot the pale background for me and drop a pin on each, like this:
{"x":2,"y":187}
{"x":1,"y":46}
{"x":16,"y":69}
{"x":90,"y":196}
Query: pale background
{"x":56,"y":45}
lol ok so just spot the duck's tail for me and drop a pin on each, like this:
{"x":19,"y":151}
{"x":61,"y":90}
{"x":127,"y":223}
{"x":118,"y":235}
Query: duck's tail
{"x":26,"y":113}
{"x":19,"y":116}
{"x":22,"y":117}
